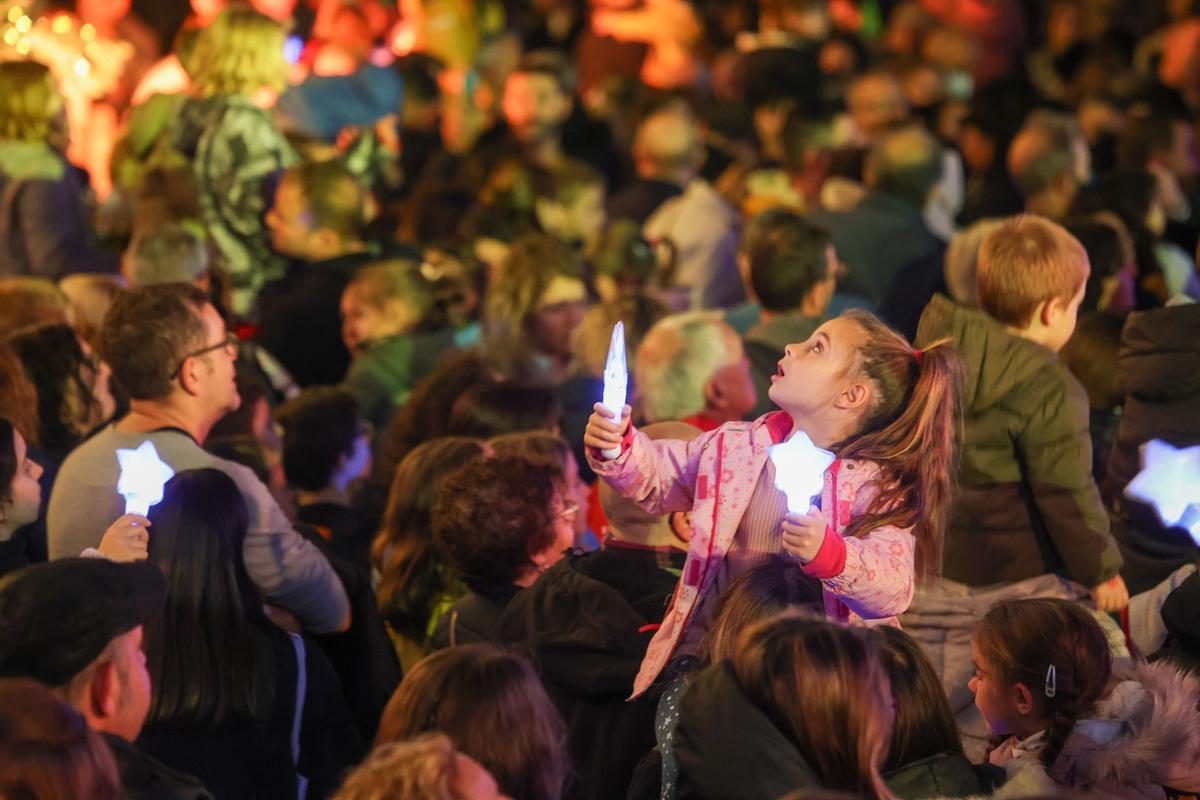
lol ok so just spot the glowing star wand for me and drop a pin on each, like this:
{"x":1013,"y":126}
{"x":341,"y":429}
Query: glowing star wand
{"x":1170,"y":483}
{"x":799,"y":470}
{"x":143,"y":475}
{"x":616,"y":379}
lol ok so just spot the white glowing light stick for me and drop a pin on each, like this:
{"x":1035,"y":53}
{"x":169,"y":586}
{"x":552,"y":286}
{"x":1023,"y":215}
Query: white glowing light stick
{"x":143,"y":475}
{"x":1170,"y":482}
{"x":616,"y":379}
{"x":799,"y":470}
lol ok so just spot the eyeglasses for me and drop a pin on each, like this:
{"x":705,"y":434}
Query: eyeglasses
{"x":569,"y":510}
{"x":231,"y":343}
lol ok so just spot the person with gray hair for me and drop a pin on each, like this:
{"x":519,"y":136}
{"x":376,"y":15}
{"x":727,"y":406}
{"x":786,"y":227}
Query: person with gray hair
{"x":1049,"y":161}
{"x":692,"y":368}
{"x":894,"y":259}
{"x":170,"y":254}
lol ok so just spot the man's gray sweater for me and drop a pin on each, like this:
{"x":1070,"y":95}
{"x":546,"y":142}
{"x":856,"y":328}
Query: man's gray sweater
{"x":288,"y":570}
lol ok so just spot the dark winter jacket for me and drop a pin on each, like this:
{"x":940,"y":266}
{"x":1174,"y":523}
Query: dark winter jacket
{"x":143,"y":778}
{"x":363,"y":656}
{"x":1026,"y":502}
{"x":382,"y":378}
{"x":729,"y":749}
{"x":264,"y":757}
{"x":475,"y":617}
{"x":44,"y":228}
{"x":1159,"y":366}
{"x":943,"y":775}
{"x":895,"y":261}
{"x":584,"y":625}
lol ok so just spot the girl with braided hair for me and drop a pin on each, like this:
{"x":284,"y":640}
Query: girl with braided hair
{"x":1062,"y":714}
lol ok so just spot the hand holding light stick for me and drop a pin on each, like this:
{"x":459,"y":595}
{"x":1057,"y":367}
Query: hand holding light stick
{"x":1170,"y":483}
{"x":799,"y":470}
{"x":143,"y":475}
{"x":616,"y":379}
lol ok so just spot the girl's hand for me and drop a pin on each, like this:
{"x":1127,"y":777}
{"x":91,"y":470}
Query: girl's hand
{"x":1111,"y":596}
{"x":803,"y":534}
{"x":603,"y":432}
{"x":127,"y":539}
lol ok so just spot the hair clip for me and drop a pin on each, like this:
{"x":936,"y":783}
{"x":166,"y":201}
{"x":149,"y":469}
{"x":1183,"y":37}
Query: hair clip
{"x":919,"y":355}
{"x":1051,"y":681}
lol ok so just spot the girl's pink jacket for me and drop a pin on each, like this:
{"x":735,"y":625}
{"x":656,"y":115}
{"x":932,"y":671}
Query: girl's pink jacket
{"x":867,"y":580}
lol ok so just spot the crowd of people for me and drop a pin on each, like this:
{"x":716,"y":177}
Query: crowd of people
{"x":351,"y":269}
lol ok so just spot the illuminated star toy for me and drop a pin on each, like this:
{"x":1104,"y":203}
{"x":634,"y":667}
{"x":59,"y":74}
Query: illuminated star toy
{"x":143,"y":475}
{"x":799,"y":470}
{"x":1170,"y":482}
{"x":616,"y":379}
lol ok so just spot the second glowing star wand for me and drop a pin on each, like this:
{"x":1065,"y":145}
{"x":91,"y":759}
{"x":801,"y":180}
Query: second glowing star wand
{"x":616,"y":379}
{"x":143,"y":475}
{"x":799,"y":470}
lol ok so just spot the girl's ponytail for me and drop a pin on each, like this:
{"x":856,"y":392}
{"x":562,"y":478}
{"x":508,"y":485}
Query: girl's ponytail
{"x":910,"y":430}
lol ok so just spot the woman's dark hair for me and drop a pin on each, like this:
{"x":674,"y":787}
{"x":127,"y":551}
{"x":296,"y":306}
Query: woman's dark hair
{"x":493,"y":707}
{"x":1021,"y":639}
{"x":8,"y":458}
{"x":755,"y":595}
{"x":319,"y":427}
{"x":489,"y":411}
{"x":199,"y":651}
{"x":426,"y":415}
{"x":1108,"y":250}
{"x":47,"y":750}
{"x":55,"y":363}
{"x":924,"y":724}
{"x":413,"y":572}
{"x":492,"y":514}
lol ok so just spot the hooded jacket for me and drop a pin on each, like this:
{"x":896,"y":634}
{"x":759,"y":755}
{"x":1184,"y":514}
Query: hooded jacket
{"x":581,"y":625}
{"x":729,"y":749}
{"x":237,"y":156}
{"x":1145,"y":736}
{"x":866,"y":579}
{"x":1026,"y":501}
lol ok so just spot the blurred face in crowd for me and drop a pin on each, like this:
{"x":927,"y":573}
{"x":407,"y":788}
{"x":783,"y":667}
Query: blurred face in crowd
{"x":557,"y":313}
{"x":290,"y":221}
{"x":366,"y":320}
{"x":731,"y":390}
{"x":578,"y":492}
{"x":565,"y":511}
{"x":211,"y":373}
{"x":126,"y":718}
{"x":98,"y":376}
{"x":19,"y":503}
{"x":534,"y":107}
{"x":581,"y":220}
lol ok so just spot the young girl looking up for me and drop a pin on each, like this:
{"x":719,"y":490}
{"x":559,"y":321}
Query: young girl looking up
{"x":1065,"y":715}
{"x":857,"y":388}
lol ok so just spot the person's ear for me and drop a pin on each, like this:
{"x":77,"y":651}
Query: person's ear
{"x":1023,"y":699}
{"x":714,"y":396}
{"x":104,"y":693}
{"x":854,"y":397}
{"x":1048,"y":311}
{"x":187,"y":376}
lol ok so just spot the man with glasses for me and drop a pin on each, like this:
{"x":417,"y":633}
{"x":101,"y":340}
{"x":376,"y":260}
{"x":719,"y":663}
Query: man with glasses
{"x":170,"y":353}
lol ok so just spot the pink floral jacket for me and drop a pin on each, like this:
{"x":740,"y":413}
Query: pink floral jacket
{"x":867,"y":580}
